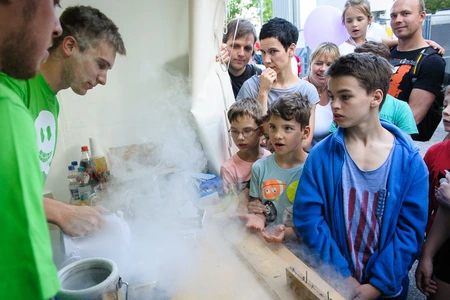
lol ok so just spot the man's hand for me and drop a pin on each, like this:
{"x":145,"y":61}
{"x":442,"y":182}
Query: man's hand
{"x":82,"y":220}
{"x":256,"y":207}
{"x":74,"y":220}
{"x":224,"y":55}
{"x":276,"y":236}
{"x":366,"y":292}
{"x":255,"y":222}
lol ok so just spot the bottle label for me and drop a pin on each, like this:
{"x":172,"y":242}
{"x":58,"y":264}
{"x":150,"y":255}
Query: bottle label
{"x":84,"y":192}
{"x":74,"y":194}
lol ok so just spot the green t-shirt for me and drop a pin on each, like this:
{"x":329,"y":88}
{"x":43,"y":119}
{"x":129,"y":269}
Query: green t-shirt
{"x":397,"y":112}
{"x":26,"y":266}
{"x":43,"y":106}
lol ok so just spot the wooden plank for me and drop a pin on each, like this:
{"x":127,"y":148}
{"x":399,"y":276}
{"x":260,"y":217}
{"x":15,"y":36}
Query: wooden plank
{"x":267,"y":265}
{"x":308,"y":277}
{"x":285,"y":275}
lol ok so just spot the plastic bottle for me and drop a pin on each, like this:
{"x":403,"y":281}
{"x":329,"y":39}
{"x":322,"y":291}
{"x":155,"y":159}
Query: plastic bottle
{"x":75,"y":165}
{"x":87,"y":162}
{"x":73,"y":184}
{"x":84,"y":188}
{"x":101,"y":166}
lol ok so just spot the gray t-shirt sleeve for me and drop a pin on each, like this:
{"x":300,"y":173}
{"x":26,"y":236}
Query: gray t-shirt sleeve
{"x":249,"y":89}
{"x":312,"y":93}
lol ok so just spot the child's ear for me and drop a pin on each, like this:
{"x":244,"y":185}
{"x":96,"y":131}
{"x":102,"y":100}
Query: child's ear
{"x":306,"y":132}
{"x":377,"y":98}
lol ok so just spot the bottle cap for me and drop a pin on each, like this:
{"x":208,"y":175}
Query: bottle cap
{"x":96,"y":149}
{"x":84,"y":148}
{"x":74,"y":163}
{"x":80,"y":169}
{"x":71,"y":168}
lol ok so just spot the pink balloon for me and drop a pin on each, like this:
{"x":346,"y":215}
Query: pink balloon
{"x":324,"y":24}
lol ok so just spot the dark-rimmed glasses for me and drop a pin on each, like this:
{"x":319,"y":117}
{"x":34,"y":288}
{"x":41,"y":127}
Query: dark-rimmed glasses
{"x":246,"y":132}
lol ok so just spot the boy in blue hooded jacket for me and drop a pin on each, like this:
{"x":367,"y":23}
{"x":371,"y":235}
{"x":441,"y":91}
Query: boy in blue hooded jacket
{"x":361,"y":204}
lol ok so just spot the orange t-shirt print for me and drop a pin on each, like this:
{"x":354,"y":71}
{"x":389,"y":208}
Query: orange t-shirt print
{"x":396,"y":79}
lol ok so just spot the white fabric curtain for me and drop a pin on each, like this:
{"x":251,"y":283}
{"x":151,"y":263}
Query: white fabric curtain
{"x":211,"y":88}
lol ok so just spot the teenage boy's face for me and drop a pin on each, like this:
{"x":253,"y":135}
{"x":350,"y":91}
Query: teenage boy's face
{"x":285,"y":136}
{"x":85,"y":70}
{"x":350,"y":103}
{"x":356,"y":22}
{"x":240,"y":52}
{"x":274,"y":55}
{"x":245,"y":133}
{"x":446,"y":111}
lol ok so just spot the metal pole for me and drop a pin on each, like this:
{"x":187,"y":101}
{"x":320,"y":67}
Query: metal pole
{"x":261,"y":13}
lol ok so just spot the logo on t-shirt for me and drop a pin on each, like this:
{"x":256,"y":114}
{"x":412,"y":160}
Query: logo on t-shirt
{"x":45,"y":127}
{"x":396,"y":79}
{"x":271,"y":189}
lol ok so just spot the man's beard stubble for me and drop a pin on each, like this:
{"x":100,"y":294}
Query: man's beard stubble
{"x":18,"y":54}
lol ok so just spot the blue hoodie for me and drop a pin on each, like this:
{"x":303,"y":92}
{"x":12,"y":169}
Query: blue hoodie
{"x":319,"y":215}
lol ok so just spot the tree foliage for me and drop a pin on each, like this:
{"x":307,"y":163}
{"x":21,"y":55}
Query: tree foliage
{"x":239,"y":8}
{"x":434,"y":5}
{"x":267,"y":10}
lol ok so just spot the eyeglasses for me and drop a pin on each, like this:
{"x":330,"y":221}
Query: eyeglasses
{"x":246,"y":133}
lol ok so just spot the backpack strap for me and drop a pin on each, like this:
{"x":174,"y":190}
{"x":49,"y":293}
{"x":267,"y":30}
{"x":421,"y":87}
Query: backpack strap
{"x":422,"y":55}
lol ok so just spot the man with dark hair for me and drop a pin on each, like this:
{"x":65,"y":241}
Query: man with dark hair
{"x":26,"y":266}
{"x":79,"y":59}
{"x":237,"y":50}
{"x":419,"y":70}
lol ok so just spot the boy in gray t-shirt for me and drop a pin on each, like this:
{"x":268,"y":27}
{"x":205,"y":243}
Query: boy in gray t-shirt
{"x":275,"y":178}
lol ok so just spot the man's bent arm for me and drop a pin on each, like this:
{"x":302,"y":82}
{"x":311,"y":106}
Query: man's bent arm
{"x":420,"y":102}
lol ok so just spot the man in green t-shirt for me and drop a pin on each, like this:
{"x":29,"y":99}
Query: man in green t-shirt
{"x":26,"y":266}
{"x":79,"y":59}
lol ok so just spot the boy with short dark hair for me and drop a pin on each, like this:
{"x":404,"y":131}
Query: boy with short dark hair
{"x":361,"y":204}
{"x":245,"y":117}
{"x":275,"y":178}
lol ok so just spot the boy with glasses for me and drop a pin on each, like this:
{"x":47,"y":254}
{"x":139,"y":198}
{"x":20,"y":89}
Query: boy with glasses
{"x":245,"y":117}
{"x":275,"y":178}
